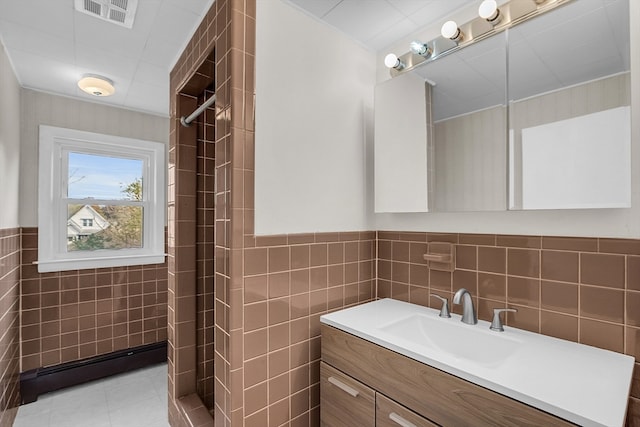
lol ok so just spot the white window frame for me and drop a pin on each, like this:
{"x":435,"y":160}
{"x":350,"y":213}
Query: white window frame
{"x":55,"y":144}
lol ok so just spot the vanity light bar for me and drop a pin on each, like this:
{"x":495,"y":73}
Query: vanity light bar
{"x":456,"y":37}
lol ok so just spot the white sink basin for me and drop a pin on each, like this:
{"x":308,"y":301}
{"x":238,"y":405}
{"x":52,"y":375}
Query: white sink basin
{"x":586,"y":385}
{"x":461,"y":341}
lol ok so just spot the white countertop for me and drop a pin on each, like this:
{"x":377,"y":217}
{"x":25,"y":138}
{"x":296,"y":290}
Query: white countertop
{"x":583,"y":384}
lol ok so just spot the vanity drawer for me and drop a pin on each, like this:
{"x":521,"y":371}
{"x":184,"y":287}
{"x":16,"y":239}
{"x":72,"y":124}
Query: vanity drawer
{"x":391,"y":414}
{"x":345,"y":401}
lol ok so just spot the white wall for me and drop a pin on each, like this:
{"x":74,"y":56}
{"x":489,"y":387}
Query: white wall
{"x":587,"y":222}
{"x":45,"y":109}
{"x":314,"y":98}
{"x":9,"y":143}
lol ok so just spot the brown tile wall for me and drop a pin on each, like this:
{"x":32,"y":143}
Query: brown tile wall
{"x":289,"y":282}
{"x":71,"y":315}
{"x":584,"y":290}
{"x":211,"y":44}
{"x":9,"y":324}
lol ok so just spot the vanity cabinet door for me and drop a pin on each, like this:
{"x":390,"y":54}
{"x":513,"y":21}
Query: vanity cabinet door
{"x":392,"y":414}
{"x":344,"y":402}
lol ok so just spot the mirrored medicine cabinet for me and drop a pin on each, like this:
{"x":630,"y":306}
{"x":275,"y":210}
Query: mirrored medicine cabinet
{"x":534,"y":117}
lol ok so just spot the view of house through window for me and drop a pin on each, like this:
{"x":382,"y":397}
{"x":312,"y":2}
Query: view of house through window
{"x":104,"y":202}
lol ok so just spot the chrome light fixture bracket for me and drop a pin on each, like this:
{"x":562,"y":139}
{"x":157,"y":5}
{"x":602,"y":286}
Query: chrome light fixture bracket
{"x":508,"y":15}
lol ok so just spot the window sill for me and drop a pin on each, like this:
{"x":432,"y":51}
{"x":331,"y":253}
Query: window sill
{"x":46,"y":266}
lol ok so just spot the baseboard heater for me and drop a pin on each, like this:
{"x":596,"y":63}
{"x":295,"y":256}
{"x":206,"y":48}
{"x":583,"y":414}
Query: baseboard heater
{"x":43,"y":380}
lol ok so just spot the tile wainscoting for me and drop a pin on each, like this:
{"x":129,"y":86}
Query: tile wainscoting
{"x":585,"y":290}
{"x":9,"y":324}
{"x":73,"y":315}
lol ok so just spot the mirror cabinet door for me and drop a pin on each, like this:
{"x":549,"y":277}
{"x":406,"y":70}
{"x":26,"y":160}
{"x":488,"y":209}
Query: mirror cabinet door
{"x":569,"y":108}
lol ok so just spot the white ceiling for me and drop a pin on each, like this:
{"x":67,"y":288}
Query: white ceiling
{"x":51,"y":46}
{"x":378,"y":23}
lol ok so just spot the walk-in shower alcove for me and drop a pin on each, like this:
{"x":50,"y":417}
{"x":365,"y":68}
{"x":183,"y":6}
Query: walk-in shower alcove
{"x":192,"y":220}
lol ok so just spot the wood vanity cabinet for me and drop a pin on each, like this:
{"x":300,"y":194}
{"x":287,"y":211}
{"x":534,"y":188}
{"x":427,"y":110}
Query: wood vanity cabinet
{"x":392,"y":390}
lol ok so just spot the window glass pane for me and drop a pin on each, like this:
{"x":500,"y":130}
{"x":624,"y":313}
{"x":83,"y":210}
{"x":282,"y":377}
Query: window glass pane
{"x":104,"y":177}
{"x":92,"y":227}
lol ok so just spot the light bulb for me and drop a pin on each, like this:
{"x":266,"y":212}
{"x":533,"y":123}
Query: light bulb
{"x":419,"y":48}
{"x":489,"y":10}
{"x":392,"y":61}
{"x":450,"y":30}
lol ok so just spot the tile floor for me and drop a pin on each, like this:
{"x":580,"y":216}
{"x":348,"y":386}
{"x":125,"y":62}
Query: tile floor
{"x":133,"y":399}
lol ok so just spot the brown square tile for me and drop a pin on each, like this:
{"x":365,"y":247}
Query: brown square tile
{"x":602,"y":303}
{"x":278,"y":310}
{"x":559,"y":325}
{"x":466,"y":257}
{"x":416,"y":252}
{"x":400,"y":291}
{"x":523,"y":291}
{"x":299,"y":256}
{"x":255,"y":371}
{"x":523,"y":262}
{"x":336,"y":253}
{"x":601,"y":334}
{"x":255,"y":289}
{"x":278,"y":285}
{"x":318,"y":278}
{"x":525,"y":318}
{"x":255,"y":261}
{"x":384,"y":250}
{"x":492,"y":286}
{"x":466,"y":279}
{"x":440,"y":280}
{"x":299,"y":281}
{"x":400,"y":272}
{"x":492,"y":260}
{"x":559,"y":296}
{"x":418,"y":275}
{"x":602,"y":270}
{"x":279,"y":259}
{"x":255,"y":316}
{"x":561,"y":266}
{"x":400,"y":251}
{"x":255,"y":343}
{"x":318,"y":254}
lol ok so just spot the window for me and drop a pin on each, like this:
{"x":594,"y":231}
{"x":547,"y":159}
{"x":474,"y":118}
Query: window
{"x":101,"y":200}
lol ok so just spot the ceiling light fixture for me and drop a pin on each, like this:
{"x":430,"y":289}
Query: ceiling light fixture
{"x":392,"y":61}
{"x":96,"y":85}
{"x":450,"y":30}
{"x":419,"y":48}
{"x":489,"y":10}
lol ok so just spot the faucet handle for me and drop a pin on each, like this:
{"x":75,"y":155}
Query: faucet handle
{"x":444,"y":311}
{"x":496,"y":323}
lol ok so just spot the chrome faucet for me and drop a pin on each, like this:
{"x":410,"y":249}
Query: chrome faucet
{"x":468,"y":310}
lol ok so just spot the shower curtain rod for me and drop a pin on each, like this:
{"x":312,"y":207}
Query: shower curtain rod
{"x":186,"y":121}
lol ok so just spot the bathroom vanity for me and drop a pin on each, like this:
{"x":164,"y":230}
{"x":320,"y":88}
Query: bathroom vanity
{"x":391,"y":363}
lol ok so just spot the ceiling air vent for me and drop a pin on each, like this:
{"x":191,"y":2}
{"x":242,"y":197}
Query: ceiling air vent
{"x":121,"y":12}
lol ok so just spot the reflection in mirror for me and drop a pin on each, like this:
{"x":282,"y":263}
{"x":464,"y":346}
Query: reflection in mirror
{"x":569,"y":97}
{"x":469,"y":146}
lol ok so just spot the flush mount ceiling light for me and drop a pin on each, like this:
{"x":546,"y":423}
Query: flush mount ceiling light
{"x":489,"y":10}
{"x":451,"y":31}
{"x":96,"y":85}
{"x":392,"y":61}
{"x":419,"y":48}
